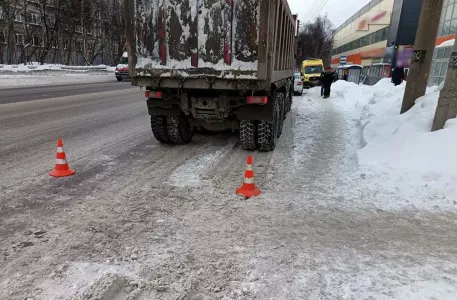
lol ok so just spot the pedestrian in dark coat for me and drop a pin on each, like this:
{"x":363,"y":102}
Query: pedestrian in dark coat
{"x":398,"y":74}
{"x":326,"y":79}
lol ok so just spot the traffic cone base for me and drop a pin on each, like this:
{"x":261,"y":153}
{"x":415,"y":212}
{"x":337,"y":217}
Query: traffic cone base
{"x":62,"y":173}
{"x":61,"y":169}
{"x":248,"y":189}
{"x":248,"y":193}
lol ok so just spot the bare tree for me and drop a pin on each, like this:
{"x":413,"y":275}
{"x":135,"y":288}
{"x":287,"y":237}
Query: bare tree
{"x":423,"y":52}
{"x":31,"y":29}
{"x":8,"y":26}
{"x":316,"y":40}
{"x":52,"y":13}
{"x":114,"y":24}
{"x":447,"y":103}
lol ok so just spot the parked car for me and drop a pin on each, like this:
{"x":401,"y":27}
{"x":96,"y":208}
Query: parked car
{"x":122,"y":69}
{"x":298,"y":83}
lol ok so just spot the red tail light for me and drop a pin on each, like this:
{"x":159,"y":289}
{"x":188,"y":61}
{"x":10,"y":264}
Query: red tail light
{"x":299,"y":83}
{"x":153,"y":94}
{"x":257,"y":100}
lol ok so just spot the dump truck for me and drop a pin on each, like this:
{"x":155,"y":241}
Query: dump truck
{"x":214,"y":65}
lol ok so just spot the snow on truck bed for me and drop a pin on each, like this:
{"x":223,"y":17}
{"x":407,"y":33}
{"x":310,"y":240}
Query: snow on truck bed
{"x":200,"y":37}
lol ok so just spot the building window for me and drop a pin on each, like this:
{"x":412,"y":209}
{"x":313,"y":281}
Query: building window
{"x":36,"y":41}
{"x":19,"y":39}
{"x":439,"y":65}
{"x":448,"y":20}
{"x":35,"y":19}
{"x":17,"y":17}
{"x":79,"y":46}
{"x":367,"y":40}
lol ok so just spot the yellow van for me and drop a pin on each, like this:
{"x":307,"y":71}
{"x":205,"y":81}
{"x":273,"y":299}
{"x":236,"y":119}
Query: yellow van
{"x":311,"y":70}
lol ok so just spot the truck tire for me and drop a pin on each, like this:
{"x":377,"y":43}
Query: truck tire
{"x":179,"y":130}
{"x":159,"y":128}
{"x":248,"y":135}
{"x":291,"y":99}
{"x":282,"y":111}
{"x":267,"y":131}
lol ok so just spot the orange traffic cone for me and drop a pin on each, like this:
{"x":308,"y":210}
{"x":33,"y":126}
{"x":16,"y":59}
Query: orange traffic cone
{"x":248,"y":189}
{"x":61,"y":169}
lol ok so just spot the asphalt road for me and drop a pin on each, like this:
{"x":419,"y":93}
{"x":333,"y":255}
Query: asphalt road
{"x":141,"y":220}
{"x":15,"y":95}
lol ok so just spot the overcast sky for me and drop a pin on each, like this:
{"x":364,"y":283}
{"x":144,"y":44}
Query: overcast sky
{"x":338,"y":11}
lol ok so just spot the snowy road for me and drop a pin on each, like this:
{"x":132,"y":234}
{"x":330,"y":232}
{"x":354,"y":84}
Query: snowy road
{"x":140,"y":220}
{"x":20,"y":94}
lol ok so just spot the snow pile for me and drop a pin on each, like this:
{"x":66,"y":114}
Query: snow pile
{"x":48,"y":78}
{"x":401,"y":149}
{"x":22,"y":68}
{"x":36,"y":74}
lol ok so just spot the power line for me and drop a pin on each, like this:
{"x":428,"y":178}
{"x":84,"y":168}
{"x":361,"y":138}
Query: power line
{"x":317,"y":12}
{"x":312,"y":9}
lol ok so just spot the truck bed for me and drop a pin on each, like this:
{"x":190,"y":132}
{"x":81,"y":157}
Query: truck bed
{"x":223,"y":39}
{"x":193,"y":37}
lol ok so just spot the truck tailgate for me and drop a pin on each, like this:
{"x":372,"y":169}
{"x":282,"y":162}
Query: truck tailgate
{"x":189,"y":38}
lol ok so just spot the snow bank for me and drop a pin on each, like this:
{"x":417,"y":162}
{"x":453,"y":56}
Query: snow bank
{"x":36,"y":74}
{"x":48,"y":78}
{"x":401,"y":149}
{"x":404,"y":142}
{"x":34,"y":67}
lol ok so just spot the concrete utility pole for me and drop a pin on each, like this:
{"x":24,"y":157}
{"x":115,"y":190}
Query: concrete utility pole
{"x":447,"y":104}
{"x":423,"y":52}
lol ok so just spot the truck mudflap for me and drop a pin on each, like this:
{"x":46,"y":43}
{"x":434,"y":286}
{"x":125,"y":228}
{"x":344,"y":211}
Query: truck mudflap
{"x":256,"y":112}
{"x":160,"y":107}
{"x":197,"y":37}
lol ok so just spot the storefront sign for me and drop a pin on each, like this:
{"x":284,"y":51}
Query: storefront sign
{"x":404,"y":55}
{"x":379,"y":18}
{"x":362,"y":24}
{"x":373,"y":18}
{"x":343,"y":60}
{"x":376,"y":53}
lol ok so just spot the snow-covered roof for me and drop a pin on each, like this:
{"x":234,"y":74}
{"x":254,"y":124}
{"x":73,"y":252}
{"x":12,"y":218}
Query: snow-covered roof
{"x":349,"y":66}
{"x":448,"y":43}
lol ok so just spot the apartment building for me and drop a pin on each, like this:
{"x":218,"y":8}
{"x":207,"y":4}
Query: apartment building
{"x":77,"y":32}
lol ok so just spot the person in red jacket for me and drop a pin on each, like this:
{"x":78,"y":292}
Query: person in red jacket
{"x":327,"y":78}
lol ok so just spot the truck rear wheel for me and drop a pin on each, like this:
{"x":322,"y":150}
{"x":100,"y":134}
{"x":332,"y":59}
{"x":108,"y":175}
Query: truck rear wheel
{"x":179,"y":130}
{"x":282,"y":111}
{"x":267,"y":131}
{"x":248,"y":135}
{"x":290,"y":97}
{"x":159,"y":128}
